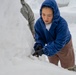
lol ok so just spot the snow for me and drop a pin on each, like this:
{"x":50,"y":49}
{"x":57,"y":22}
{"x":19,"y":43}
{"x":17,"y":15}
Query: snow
{"x":62,"y":3}
{"x":16,"y":40}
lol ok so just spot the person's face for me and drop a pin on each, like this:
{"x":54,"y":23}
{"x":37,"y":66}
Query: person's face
{"x":47,"y":15}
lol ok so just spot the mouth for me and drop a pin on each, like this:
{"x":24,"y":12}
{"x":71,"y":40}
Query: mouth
{"x":46,"y":22}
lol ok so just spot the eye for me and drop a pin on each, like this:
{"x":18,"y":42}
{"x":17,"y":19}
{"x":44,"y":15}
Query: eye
{"x":43,"y":14}
{"x":50,"y":15}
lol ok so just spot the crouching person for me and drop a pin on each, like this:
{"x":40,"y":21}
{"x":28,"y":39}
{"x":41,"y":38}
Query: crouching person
{"x":53,"y":37}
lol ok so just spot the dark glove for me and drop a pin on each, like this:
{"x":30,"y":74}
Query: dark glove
{"x":38,"y":47}
{"x":38,"y":53}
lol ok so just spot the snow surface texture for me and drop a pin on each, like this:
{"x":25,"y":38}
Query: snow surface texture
{"x":16,"y":41}
{"x":62,"y":3}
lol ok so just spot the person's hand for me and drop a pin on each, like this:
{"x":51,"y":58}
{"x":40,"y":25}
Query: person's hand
{"x":38,"y":53}
{"x":38,"y":48}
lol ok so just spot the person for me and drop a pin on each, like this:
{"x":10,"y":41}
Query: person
{"x":28,"y":15}
{"x":52,"y":36}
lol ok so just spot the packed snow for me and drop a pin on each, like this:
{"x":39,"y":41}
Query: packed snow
{"x":16,"y":40}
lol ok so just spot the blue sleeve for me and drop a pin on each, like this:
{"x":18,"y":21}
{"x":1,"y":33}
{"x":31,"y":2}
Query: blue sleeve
{"x":62,"y":37}
{"x":38,"y":37}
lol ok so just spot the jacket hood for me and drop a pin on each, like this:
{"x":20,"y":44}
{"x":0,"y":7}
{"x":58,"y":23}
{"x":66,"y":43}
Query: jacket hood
{"x":52,"y":4}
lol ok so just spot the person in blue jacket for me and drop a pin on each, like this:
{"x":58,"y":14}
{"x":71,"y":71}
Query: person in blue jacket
{"x":53,"y":37}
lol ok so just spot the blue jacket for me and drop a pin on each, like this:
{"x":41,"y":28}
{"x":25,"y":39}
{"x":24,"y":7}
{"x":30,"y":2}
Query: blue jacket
{"x":58,"y":35}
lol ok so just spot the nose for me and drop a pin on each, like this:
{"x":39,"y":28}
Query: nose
{"x":46,"y":18}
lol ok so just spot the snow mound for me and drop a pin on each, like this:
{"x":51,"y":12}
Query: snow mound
{"x":14,"y":40}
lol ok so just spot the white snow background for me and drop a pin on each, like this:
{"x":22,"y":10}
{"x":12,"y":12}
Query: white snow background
{"x":16,"y":40}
